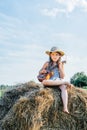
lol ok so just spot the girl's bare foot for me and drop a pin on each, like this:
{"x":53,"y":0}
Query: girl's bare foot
{"x":69,"y":85}
{"x":66,"y":111}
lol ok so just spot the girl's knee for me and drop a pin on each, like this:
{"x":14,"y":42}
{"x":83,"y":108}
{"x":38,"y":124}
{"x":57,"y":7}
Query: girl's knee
{"x":63,"y":87}
{"x":44,"y":82}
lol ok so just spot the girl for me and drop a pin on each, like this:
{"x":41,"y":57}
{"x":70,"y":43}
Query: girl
{"x":58,"y":74}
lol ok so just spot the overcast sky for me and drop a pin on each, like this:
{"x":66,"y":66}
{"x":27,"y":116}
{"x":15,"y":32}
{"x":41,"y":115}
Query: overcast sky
{"x":30,"y":27}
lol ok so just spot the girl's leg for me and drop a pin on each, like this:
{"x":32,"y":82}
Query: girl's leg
{"x":64,"y":96}
{"x":55,"y":83}
{"x":62,"y":85}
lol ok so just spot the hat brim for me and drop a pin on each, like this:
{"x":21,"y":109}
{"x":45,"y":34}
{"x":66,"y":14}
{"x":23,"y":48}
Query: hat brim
{"x":59,"y":51}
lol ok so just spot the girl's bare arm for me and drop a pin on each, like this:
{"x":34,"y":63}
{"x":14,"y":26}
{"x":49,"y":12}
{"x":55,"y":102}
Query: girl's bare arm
{"x":61,"y":70}
{"x":43,"y":69}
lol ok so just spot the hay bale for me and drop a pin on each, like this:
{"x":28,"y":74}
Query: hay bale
{"x":11,"y":96}
{"x":38,"y":108}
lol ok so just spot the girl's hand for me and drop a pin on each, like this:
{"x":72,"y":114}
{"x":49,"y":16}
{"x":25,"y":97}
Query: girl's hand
{"x":60,"y":65}
{"x":43,"y":71}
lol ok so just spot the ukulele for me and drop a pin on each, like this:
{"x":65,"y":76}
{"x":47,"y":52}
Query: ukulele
{"x":49,"y":73}
{"x":44,"y":76}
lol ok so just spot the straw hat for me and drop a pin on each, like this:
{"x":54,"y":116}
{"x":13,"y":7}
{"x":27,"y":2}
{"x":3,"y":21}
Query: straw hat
{"x":55,"y":49}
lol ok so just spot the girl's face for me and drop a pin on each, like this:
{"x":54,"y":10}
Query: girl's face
{"x":55,"y":56}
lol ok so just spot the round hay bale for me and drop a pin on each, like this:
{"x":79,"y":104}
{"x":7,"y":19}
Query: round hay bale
{"x":37,"y":108}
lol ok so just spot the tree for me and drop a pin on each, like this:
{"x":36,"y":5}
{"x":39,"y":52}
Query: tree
{"x":79,"y":79}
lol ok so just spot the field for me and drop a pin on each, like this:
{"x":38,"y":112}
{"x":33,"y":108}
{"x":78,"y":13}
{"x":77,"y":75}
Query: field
{"x":2,"y":92}
{"x":85,"y":87}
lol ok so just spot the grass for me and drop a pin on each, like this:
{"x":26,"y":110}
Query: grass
{"x":2,"y":92}
{"x":85,"y":87}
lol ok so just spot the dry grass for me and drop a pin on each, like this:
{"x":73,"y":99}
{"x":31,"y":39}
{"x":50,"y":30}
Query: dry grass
{"x":41,"y":109}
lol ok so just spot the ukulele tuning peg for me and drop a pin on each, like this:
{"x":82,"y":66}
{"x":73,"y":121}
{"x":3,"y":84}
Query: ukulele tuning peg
{"x":64,"y":59}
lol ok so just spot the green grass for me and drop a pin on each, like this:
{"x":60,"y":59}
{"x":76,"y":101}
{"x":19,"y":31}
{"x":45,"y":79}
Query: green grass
{"x":2,"y":92}
{"x":85,"y":87}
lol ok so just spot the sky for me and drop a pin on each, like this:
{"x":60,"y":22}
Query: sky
{"x":28,"y":28}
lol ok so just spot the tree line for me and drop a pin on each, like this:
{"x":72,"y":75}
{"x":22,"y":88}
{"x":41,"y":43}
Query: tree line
{"x":79,"y":79}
